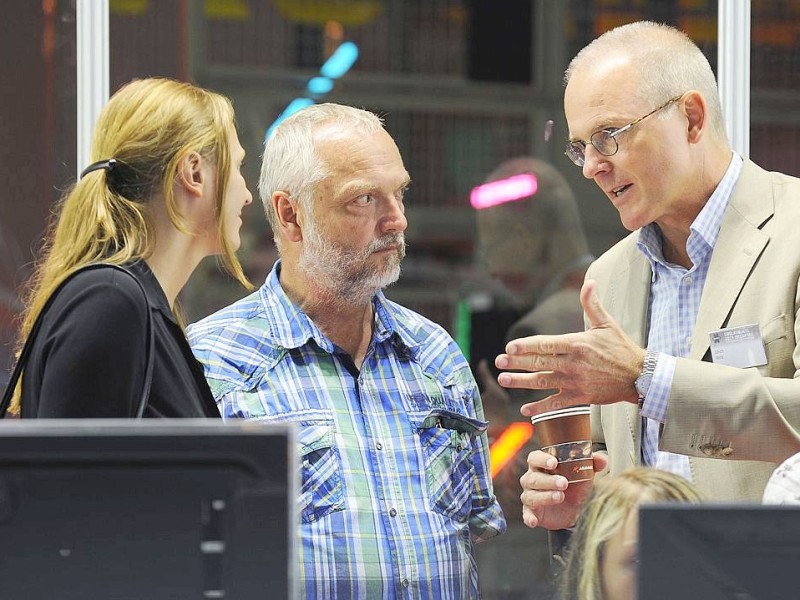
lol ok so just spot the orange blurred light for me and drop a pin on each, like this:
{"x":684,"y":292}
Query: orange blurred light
{"x":334,"y":36}
{"x":508,"y":444}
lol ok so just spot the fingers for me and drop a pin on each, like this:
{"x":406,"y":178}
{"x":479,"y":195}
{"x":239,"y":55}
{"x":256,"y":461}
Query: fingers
{"x":541,"y":460}
{"x":541,"y":344}
{"x":554,"y":402}
{"x":540,"y":488}
{"x":600,"y":461}
{"x":550,"y":489}
{"x":590,"y":301}
{"x":538,"y":481}
{"x":529,"y":517}
{"x":530,"y":381}
{"x":534,"y":362}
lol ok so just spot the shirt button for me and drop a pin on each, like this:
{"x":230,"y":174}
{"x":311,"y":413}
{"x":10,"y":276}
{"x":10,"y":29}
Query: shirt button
{"x":379,"y":446}
{"x":688,"y":280}
{"x":392,"y":513}
{"x":406,"y":583}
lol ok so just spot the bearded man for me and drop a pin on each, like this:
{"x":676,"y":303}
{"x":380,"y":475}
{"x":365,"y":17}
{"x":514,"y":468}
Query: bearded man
{"x":395,"y":483}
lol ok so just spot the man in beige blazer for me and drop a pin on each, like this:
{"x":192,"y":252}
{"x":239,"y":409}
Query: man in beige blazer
{"x":690,"y":352}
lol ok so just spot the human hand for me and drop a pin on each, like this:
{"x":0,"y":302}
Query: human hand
{"x":597,"y":366}
{"x":549,"y":500}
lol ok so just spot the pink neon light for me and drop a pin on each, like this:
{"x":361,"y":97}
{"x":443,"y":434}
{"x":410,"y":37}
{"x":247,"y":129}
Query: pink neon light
{"x":505,"y":190}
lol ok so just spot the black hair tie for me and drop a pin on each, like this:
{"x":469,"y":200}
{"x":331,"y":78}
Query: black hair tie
{"x":106,"y":165}
{"x":121,"y":178}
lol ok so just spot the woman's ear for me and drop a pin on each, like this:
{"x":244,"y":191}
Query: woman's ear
{"x":696,"y":111}
{"x":286,"y":214}
{"x":190,"y":174}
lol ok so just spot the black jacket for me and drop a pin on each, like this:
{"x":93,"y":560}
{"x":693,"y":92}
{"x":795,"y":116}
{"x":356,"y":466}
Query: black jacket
{"x":90,"y":355}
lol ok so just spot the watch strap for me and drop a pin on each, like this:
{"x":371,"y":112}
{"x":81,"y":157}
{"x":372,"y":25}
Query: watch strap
{"x":642,"y":382}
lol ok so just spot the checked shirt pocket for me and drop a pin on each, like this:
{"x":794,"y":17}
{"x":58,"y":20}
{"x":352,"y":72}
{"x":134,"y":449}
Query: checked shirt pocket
{"x":447,"y":446}
{"x":322,"y":488}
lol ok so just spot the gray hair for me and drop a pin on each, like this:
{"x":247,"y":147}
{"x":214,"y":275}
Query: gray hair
{"x":291,"y":163}
{"x":668,"y":64}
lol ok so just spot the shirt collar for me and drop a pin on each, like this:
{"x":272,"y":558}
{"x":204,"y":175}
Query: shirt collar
{"x":389,"y":327}
{"x":706,"y":225}
{"x":290,"y":327}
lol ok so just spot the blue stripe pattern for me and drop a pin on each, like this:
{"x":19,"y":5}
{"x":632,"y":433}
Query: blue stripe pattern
{"x":394,"y":457}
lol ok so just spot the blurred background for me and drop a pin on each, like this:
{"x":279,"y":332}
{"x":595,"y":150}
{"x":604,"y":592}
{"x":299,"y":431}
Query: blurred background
{"x":463,"y":85}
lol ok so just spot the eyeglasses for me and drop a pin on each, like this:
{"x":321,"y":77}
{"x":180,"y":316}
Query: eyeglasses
{"x":605,"y":140}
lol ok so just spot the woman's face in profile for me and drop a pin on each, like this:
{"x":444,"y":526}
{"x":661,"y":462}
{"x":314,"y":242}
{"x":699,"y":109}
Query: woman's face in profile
{"x":237,"y":196}
{"x":620,"y":561}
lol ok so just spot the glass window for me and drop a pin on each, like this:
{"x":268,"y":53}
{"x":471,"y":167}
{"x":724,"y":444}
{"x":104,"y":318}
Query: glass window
{"x":463,"y":85}
{"x":37,"y":141}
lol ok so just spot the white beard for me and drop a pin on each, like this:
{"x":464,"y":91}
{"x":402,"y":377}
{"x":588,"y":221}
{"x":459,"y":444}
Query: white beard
{"x":345,"y":274}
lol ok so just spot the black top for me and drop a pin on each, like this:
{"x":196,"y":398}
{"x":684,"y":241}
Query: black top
{"x":90,"y":355}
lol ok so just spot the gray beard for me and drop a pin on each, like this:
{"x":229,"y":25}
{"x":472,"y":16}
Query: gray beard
{"x":344,"y":275}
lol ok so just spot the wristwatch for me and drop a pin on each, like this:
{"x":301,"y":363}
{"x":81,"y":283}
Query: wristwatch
{"x":642,"y":382}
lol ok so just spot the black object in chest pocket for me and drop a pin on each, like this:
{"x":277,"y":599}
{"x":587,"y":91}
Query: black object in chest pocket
{"x":447,"y":440}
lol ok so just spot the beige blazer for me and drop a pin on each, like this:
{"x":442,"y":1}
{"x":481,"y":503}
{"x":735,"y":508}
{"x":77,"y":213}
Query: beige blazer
{"x":734,"y":424}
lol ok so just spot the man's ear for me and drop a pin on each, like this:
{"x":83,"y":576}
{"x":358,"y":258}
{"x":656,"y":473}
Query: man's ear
{"x":190,"y":174}
{"x":696,"y":111}
{"x":286,"y":212}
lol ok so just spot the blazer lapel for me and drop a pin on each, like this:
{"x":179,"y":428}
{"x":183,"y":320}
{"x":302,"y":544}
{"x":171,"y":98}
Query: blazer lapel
{"x":738,"y":247}
{"x":631,"y":296}
{"x":630,"y":299}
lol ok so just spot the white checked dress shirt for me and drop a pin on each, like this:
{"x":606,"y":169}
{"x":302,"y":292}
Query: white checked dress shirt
{"x":675,"y":294}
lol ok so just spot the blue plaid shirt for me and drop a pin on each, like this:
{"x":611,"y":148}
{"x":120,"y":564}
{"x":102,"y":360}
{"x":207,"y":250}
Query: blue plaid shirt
{"x":395,"y":481}
{"x":674,"y":302}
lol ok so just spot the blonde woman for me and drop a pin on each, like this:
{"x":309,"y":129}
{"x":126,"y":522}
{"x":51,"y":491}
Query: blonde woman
{"x":602,"y":555}
{"x":164,"y":190}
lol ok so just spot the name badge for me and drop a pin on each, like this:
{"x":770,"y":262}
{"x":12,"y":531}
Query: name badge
{"x":738,"y":346}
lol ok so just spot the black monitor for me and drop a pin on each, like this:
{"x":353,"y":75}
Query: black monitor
{"x":123,"y":509}
{"x":716,"y":552}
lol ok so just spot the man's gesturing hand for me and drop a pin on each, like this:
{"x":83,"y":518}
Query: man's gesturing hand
{"x":596,"y":366}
